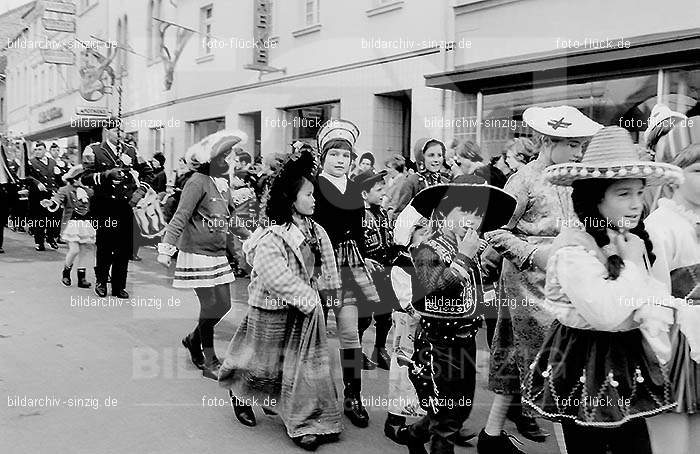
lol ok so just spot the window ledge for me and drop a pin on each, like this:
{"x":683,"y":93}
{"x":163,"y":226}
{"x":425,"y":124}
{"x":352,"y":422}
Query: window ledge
{"x":387,"y":7}
{"x":306,"y":30}
{"x":205,"y":58}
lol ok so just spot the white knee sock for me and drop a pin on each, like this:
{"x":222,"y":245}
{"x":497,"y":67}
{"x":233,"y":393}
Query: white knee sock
{"x":497,"y":416}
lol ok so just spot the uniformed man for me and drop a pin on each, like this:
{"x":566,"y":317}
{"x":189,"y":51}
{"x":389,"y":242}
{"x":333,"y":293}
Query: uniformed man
{"x":42,"y":174}
{"x":114,"y":176}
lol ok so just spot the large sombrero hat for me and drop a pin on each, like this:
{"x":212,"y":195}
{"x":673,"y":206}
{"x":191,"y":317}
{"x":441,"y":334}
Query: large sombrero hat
{"x":498,"y":205}
{"x":612,"y":155}
{"x":560,"y":121}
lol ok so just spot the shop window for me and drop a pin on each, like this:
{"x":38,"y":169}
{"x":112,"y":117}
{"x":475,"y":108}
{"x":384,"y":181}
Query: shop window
{"x":681,"y":91}
{"x":201,"y":129}
{"x":304,"y":122}
{"x":625,"y":102}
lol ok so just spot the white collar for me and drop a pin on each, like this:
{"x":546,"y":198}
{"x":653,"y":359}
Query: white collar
{"x":340,"y":182}
{"x":47,"y":156}
{"x":112,"y":147}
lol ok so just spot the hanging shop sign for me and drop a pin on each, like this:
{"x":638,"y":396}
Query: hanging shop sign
{"x":60,"y":7}
{"x":57,"y":25}
{"x":50,"y":114}
{"x":92,"y":111}
{"x":58,"y":57}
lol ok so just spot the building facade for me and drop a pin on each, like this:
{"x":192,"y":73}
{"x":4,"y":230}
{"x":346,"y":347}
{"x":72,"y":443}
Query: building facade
{"x":400,"y":69}
{"x":613,"y":60}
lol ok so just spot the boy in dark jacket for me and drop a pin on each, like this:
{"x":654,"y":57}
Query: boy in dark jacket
{"x":380,"y":249}
{"x":447,"y":291}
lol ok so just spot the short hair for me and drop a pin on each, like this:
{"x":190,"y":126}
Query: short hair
{"x":366,"y":155}
{"x":521,"y":146}
{"x":340,"y":144}
{"x":160,"y":158}
{"x":40,"y":144}
{"x":469,"y":150}
{"x":244,"y":156}
{"x":396,"y":162}
{"x":687,"y":156}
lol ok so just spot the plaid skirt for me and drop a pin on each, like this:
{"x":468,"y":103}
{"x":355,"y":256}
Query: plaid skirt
{"x":279,"y":360}
{"x":197,"y":270}
{"x":357,"y":284}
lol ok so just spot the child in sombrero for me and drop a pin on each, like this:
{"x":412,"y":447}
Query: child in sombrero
{"x":600,"y":370}
{"x":447,"y":292}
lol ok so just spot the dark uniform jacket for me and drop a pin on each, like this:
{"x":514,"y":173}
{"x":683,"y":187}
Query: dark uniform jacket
{"x":110,"y":189}
{"x":38,"y":172}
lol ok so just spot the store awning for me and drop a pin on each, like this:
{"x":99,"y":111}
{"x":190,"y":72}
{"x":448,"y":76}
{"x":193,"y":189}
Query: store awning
{"x":66,"y":129}
{"x":679,"y":49}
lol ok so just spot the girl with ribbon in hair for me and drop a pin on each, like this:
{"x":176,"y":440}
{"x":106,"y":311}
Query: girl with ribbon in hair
{"x":674,"y":229}
{"x":339,"y":210}
{"x":600,"y":370}
{"x":198,"y":232}
{"x":279,"y":354}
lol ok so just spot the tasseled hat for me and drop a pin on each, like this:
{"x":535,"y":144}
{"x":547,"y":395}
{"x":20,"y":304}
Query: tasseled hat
{"x":611,"y":154}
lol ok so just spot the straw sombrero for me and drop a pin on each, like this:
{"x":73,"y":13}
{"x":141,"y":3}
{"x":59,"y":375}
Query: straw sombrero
{"x":612,"y":155}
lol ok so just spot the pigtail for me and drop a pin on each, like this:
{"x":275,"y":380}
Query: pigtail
{"x":641,"y":232}
{"x":615,"y":264}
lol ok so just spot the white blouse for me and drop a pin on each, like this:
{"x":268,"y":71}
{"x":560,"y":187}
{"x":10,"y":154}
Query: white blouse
{"x":579,"y":295}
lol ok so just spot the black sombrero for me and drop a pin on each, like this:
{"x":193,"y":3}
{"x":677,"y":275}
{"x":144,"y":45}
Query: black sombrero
{"x":498,"y":204}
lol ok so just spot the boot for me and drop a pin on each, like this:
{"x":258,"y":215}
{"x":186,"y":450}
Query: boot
{"x":211,"y":364}
{"x":194,"y":347}
{"x":65,"y":279}
{"x":244,"y":413}
{"x":440,"y":445}
{"x":381,"y":357}
{"x":500,"y":444}
{"x":351,"y":362}
{"x":82,"y":282}
{"x":527,"y":426}
{"x":392,"y":424}
{"x":100,"y":283}
{"x":406,"y":437}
